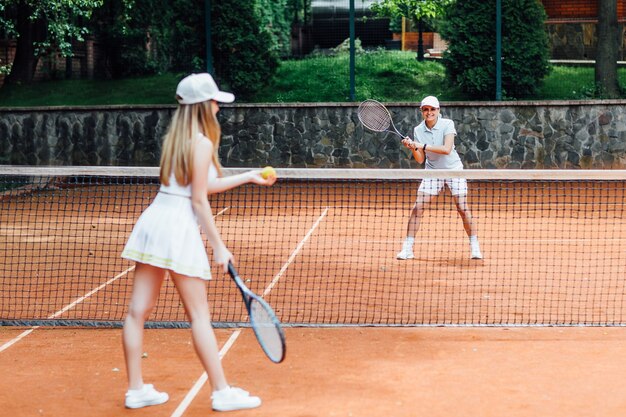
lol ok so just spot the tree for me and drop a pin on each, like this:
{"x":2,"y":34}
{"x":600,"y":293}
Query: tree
{"x":245,"y":52}
{"x":607,"y":84}
{"x":136,"y":36}
{"x":417,"y":11}
{"x":470,"y":30}
{"x":300,"y":11}
{"x":43,"y":27}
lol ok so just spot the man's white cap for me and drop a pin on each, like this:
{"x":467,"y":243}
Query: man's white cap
{"x":430,"y":101}
{"x":196,"y":88}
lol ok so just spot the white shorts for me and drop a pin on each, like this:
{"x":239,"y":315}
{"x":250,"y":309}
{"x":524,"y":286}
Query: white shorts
{"x":433,"y":186}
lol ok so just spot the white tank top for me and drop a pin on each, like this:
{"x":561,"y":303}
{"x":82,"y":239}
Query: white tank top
{"x":175,"y":188}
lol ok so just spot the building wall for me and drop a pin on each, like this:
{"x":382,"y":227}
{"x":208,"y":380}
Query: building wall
{"x":578,"y":9}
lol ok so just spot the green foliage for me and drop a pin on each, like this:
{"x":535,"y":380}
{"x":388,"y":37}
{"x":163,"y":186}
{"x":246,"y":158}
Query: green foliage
{"x":136,"y":36}
{"x":162,"y":35}
{"x":299,"y":11}
{"x":419,"y":12}
{"x":7,"y":25}
{"x":395,"y":24}
{"x":188,"y":39}
{"x":469,"y":28}
{"x":245,"y":54}
{"x":344,"y":47}
{"x":62,"y":27}
{"x":389,"y":76}
{"x":141,"y":37}
{"x":274,"y":19}
{"x":411,"y":9}
{"x":62,"y":19}
{"x":382,"y":75}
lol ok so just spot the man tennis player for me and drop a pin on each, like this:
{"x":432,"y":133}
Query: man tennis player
{"x":434,"y":143}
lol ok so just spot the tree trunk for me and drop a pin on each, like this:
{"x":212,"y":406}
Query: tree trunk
{"x":25,"y":61}
{"x":607,"y":84}
{"x":420,"y":40}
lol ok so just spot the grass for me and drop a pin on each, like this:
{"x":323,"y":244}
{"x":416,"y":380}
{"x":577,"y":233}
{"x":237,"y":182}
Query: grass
{"x":388,"y":76}
{"x":571,"y":83}
{"x":157,"y":89}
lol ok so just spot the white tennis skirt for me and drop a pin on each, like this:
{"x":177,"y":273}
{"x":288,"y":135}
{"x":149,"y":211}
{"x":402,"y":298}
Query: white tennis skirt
{"x":167,"y":236}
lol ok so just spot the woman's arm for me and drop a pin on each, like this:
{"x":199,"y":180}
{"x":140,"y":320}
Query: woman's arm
{"x":446,"y":148}
{"x":416,"y":148}
{"x":200,"y":202}
{"x":226,"y":183}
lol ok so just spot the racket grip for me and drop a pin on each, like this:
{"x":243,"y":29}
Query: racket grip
{"x":231,"y":270}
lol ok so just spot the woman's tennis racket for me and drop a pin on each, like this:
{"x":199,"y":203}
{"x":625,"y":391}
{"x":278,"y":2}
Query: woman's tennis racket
{"x":375,"y":116}
{"x":264,"y":322}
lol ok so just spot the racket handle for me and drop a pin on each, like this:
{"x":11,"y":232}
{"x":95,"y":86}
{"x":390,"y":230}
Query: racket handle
{"x":231,"y":270}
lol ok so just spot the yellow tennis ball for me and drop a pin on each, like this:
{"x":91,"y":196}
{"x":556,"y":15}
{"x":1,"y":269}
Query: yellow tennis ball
{"x":268,"y":172}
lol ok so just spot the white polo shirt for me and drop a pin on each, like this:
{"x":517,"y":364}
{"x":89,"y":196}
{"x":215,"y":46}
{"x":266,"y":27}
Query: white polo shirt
{"x":434,"y":137}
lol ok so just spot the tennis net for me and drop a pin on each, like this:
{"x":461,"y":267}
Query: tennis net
{"x":321,"y":244}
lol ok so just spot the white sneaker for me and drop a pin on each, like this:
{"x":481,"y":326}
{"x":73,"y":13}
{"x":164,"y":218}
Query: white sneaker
{"x":138,"y":398}
{"x":232,"y":398}
{"x":476,"y":254}
{"x":405,"y":253}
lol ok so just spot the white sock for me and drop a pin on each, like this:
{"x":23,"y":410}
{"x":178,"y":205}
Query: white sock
{"x":409,"y":241}
{"x":473,"y":239}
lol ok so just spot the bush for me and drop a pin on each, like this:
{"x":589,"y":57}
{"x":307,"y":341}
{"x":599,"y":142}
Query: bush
{"x":244,"y":53}
{"x":157,"y":36}
{"x":469,"y":28}
{"x":134,"y":36}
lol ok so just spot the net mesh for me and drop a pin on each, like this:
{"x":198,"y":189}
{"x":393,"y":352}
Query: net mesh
{"x":321,"y":245}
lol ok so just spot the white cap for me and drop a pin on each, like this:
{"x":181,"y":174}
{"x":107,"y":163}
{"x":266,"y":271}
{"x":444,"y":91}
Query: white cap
{"x":430,"y":101}
{"x":196,"y":88}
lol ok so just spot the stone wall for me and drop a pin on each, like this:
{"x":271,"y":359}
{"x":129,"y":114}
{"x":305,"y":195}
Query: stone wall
{"x":529,"y":135}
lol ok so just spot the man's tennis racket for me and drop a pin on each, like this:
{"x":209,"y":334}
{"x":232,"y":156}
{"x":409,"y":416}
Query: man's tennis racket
{"x":264,"y":322}
{"x":375,"y":116}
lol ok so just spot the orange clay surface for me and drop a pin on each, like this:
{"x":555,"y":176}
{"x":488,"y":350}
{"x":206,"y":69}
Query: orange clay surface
{"x":374,"y":372}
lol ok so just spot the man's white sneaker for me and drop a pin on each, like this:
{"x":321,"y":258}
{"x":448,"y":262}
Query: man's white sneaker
{"x":138,"y":398}
{"x":232,"y":398}
{"x":405,"y":253}
{"x":476,"y":254}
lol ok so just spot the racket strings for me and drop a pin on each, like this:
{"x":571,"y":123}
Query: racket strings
{"x":374,"y":116}
{"x":268,"y":333}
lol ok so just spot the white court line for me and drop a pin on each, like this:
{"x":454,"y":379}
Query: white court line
{"x":222,"y":211}
{"x":18,"y":338}
{"x":89,"y":294}
{"x":77,"y":301}
{"x":64,"y":309}
{"x":203,"y":378}
{"x":294,"y":253}
{"x":182,"y":407}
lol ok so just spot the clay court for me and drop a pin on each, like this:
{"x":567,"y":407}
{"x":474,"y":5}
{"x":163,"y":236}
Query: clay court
{"x":367,"y":335}
{"x":444,"y":371}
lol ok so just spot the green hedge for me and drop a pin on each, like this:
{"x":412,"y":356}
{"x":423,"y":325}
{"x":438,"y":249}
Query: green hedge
{"x":470,"y":30}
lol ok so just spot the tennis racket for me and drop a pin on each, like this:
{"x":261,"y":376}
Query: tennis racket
{"x":264,"y":322}
{"x":375,"y":116}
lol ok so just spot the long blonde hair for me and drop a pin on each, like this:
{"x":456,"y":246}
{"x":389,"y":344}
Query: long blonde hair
{"x":188,"y":122}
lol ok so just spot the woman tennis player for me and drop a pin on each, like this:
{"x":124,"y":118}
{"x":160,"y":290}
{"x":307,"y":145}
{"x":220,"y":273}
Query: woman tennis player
{"x":167,"y":239}
{"x":434,"y":143}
